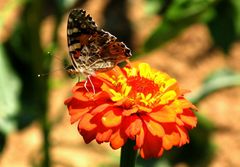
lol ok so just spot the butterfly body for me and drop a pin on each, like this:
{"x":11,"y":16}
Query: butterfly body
{"x":92,"y":49}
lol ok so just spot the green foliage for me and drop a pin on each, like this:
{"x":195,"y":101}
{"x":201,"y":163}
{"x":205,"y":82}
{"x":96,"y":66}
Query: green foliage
{"x":180,"y":15}
{"x":236,"y":7}
{"x":221,"y":16}
{"x":219,"y":80}
{"x":224,"y":26}
{"x":10,"y":86}
{"x":153,"y":6}
{"x":26,"y":56}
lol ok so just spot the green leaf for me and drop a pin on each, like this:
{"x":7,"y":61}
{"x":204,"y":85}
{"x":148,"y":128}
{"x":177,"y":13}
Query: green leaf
{"x":222,"y":27}
{"x":9,"y":94}
{"x":236,"y":17}
{"x":181,"y":14}
{"x":153,"y":6}
{"x":163,"y":33}
{"x":184,"y":9}
{"x":217,"y":81}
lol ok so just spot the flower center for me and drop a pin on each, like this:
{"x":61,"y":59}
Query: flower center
{"x":142,"y":85}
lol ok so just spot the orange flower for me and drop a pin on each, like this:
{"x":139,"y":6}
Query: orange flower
{"x":137,"y":103}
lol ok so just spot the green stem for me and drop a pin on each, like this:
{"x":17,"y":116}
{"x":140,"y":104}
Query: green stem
{"x":46,"y":162}
{"x":128,"y":154}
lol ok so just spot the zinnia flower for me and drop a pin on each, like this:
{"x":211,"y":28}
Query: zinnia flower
{"x":136,"y":103}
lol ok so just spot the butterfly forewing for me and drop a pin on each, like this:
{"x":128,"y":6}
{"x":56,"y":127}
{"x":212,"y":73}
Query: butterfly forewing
{"x":92,"y":49}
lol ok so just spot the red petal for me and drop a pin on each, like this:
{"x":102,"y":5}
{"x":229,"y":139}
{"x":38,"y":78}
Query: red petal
{"x":101,"y":96}
{"x":179,"y":122}
{"x":77,"y":108}
{"x":111,"y":119}
{"x":154,"y":128}
{"x":128,"y":112}
{"x":164,"y":115}
{"x":67,"y":101}
{"x":171,"y":140}
{"x":104,"y":136}
{"x":183,"y":136}
{"x":81,"y":96}
{"x":186,"y":104}
{"x":86,"y":123}
{"x":118,"y":139}
{"x":152,"y":146}
{"x":78,"y":86}
{"x":76,"y":114}
{"x":100,"y":108}
{"x":192,"y":121}
{"x":134,"y":127}
{"x":88,"y":136}
{"x":140,"y":138}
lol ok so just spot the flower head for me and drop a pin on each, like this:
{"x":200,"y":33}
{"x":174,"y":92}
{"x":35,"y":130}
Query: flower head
{"x":137,"y":103}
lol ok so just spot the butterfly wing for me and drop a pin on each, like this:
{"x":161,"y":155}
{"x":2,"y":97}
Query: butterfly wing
{"x":92,"y":49}
{"x":79,"y":28}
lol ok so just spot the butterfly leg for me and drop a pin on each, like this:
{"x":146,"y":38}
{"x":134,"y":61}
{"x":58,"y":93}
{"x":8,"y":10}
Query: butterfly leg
{"x":128,"y":63}
{"x":85,"y":84}
{"x":93,"y":88}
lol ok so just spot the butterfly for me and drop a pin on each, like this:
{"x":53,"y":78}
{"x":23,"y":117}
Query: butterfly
{"x":92,"y":49}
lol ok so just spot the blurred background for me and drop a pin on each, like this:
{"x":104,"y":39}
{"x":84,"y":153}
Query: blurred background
{"x":196,"y":42}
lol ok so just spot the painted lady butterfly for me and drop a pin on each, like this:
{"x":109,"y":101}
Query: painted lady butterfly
{"x":92,"y":49}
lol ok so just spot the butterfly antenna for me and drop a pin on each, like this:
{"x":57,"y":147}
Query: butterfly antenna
{"x":46,"y":74}
{"x":50,"y":54}
{"x":58,"y":58}
{"x":42,"y":75}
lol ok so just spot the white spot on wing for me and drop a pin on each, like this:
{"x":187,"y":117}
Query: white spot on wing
{"x":69,"y":31}
{"x":75,"y":30}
